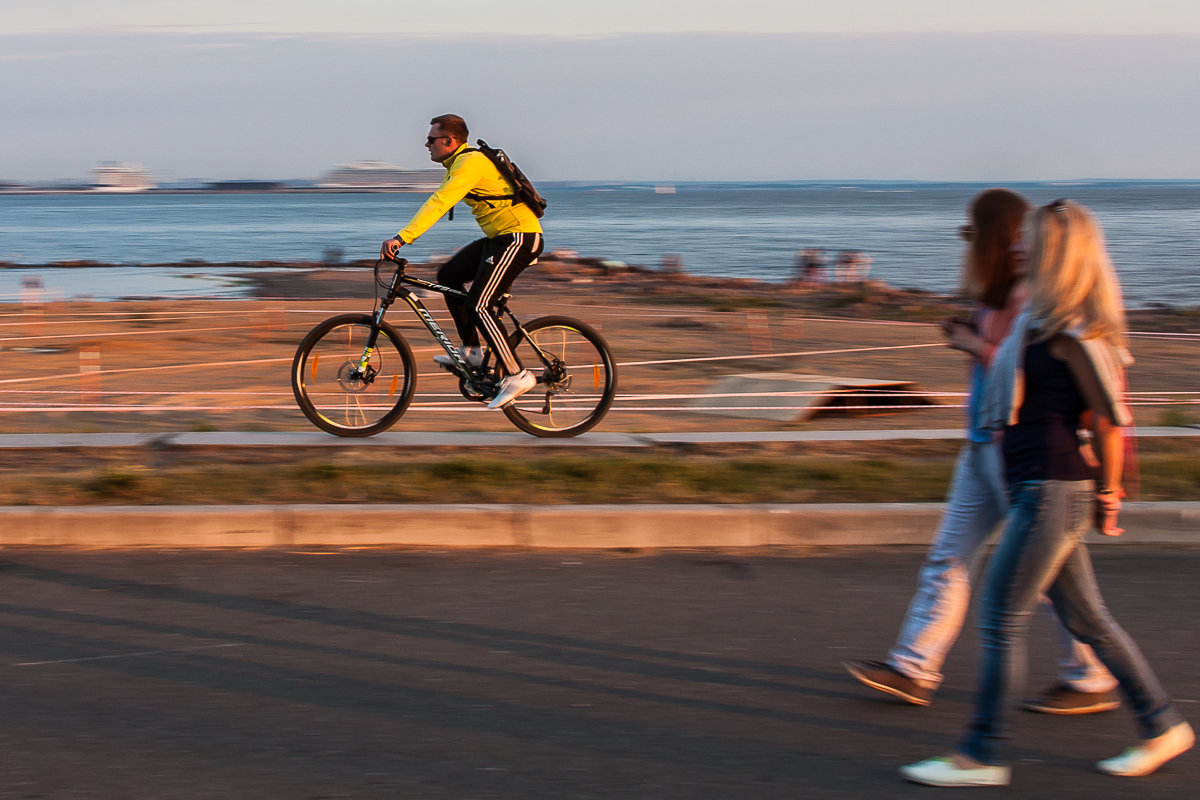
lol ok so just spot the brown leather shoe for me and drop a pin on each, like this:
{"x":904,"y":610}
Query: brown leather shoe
{"x":888,"y":679}
{"x":1062,"y":699}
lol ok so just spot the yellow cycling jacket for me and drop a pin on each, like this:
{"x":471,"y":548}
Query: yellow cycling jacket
{"x":473,"y":173}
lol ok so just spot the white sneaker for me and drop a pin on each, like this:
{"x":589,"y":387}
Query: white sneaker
{"x":513,"y":387}
{"x":472,"y":355}
{"x":941,"y":771}
{"x":1151,"y":754}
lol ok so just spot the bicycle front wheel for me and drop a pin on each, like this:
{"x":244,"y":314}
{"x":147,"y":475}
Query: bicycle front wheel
{"x":344,"y":394}
{"x":576,"y":378}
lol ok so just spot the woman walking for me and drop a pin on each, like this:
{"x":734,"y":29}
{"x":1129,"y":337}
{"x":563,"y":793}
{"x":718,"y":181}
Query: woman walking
{"x":1062,"y":363}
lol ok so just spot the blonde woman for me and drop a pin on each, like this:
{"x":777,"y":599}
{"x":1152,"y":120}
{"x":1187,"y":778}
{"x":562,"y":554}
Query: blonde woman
{"x":1062,"y":363}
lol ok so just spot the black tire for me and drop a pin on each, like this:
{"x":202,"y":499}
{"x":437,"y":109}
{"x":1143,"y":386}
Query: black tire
{"x":330,"y":388}
{"x":575,"y":391}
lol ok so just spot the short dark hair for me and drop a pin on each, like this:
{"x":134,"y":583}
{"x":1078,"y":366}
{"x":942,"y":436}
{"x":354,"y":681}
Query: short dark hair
{"x":453,"y":125}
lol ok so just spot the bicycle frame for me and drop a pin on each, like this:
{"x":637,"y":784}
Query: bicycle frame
{"x":396,"y":289}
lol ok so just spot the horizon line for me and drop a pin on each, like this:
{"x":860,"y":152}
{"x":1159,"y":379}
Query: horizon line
{"x":201,"y":182}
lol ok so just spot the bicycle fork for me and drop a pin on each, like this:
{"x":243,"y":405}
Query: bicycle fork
{"x":365,"y":370}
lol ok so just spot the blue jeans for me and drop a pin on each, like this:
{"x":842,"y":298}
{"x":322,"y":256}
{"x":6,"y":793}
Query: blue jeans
{"x":1041,"y":551}
{"x":976,"y":505}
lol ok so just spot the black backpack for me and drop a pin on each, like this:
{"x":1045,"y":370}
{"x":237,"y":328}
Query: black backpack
{"x":523,"y":189}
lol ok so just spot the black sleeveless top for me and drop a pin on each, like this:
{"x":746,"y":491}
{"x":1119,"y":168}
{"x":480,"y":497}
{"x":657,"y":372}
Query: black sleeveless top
{"x":1044,"y":442}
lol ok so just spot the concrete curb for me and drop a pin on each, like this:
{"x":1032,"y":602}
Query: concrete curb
{"x":598,"y":527}
{"x":424,"y":439}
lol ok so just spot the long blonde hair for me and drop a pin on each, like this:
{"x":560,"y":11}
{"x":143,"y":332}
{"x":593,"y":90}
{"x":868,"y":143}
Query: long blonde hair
{"x":1072,"y":283}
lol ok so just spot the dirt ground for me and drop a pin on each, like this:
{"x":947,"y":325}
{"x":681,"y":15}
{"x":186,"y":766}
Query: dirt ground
{"x":194,"y":365}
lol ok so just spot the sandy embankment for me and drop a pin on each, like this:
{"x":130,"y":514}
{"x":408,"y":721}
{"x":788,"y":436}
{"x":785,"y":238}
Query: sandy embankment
{"x":223,"y":364}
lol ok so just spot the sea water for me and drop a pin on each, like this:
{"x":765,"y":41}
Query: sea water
{"x":745,"y":230}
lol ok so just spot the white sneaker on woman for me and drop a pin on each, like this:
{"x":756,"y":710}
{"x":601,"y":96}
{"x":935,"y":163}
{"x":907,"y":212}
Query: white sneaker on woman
{"x":941,"y":771}
{"x":1150,"y":754}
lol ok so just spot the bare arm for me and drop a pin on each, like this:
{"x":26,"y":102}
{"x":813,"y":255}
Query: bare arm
{"x":1108,"y":441}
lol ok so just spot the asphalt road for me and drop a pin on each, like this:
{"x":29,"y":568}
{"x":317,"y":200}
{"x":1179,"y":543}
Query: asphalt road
{"x":509,"y":674}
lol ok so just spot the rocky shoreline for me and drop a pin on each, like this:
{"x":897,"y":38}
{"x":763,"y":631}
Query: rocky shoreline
{"x":639,"y":284}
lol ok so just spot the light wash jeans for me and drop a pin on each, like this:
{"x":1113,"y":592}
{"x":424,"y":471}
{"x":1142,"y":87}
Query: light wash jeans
{"x":976,"y":505}
{"x":1042,"y":551}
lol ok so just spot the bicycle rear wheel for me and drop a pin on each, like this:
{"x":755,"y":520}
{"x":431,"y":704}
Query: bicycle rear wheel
{"x":577,"y":386}
{"x":336,"y":393}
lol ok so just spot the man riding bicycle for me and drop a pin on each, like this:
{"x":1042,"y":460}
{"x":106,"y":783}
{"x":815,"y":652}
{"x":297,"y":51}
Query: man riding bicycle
{"x":512,"y":241}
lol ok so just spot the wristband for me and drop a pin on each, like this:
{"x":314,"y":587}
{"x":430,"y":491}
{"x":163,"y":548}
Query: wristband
{"x":1108,"y":501}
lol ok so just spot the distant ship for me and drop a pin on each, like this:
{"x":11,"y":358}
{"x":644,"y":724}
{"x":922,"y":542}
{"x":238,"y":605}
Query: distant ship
{"x":381,"y":175}
{"x":117,"y":176}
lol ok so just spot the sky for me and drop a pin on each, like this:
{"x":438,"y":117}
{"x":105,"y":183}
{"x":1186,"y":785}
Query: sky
{"x":653,"y":90}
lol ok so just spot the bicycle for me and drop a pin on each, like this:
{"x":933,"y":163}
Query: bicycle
{"x":355,"y":375}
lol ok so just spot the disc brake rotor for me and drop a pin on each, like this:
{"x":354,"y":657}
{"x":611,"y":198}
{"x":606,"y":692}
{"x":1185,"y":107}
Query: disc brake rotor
{"x":352,"y":379}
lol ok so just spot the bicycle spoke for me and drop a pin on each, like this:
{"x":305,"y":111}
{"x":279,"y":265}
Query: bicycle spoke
{"x":350,"y":416}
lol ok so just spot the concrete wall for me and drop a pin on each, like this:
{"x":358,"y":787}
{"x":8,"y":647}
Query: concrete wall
{"x":640,"y":526}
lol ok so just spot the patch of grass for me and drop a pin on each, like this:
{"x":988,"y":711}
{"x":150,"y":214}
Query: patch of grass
{"x":1169,"y":476}
{"x":850,"y":298}
{"x":859,"y":473}
{"x":458,"y":469}
{"x":119,"y":484}
{"x":1178,"y":418}
{"x":316,"y":473}
{"x":554,"y":480}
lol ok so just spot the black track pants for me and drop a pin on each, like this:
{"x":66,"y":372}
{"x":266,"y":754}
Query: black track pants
{"x":491,"y":265}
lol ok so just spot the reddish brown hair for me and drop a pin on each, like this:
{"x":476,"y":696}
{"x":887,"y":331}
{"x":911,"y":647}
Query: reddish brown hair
{"x":990,"y":270}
